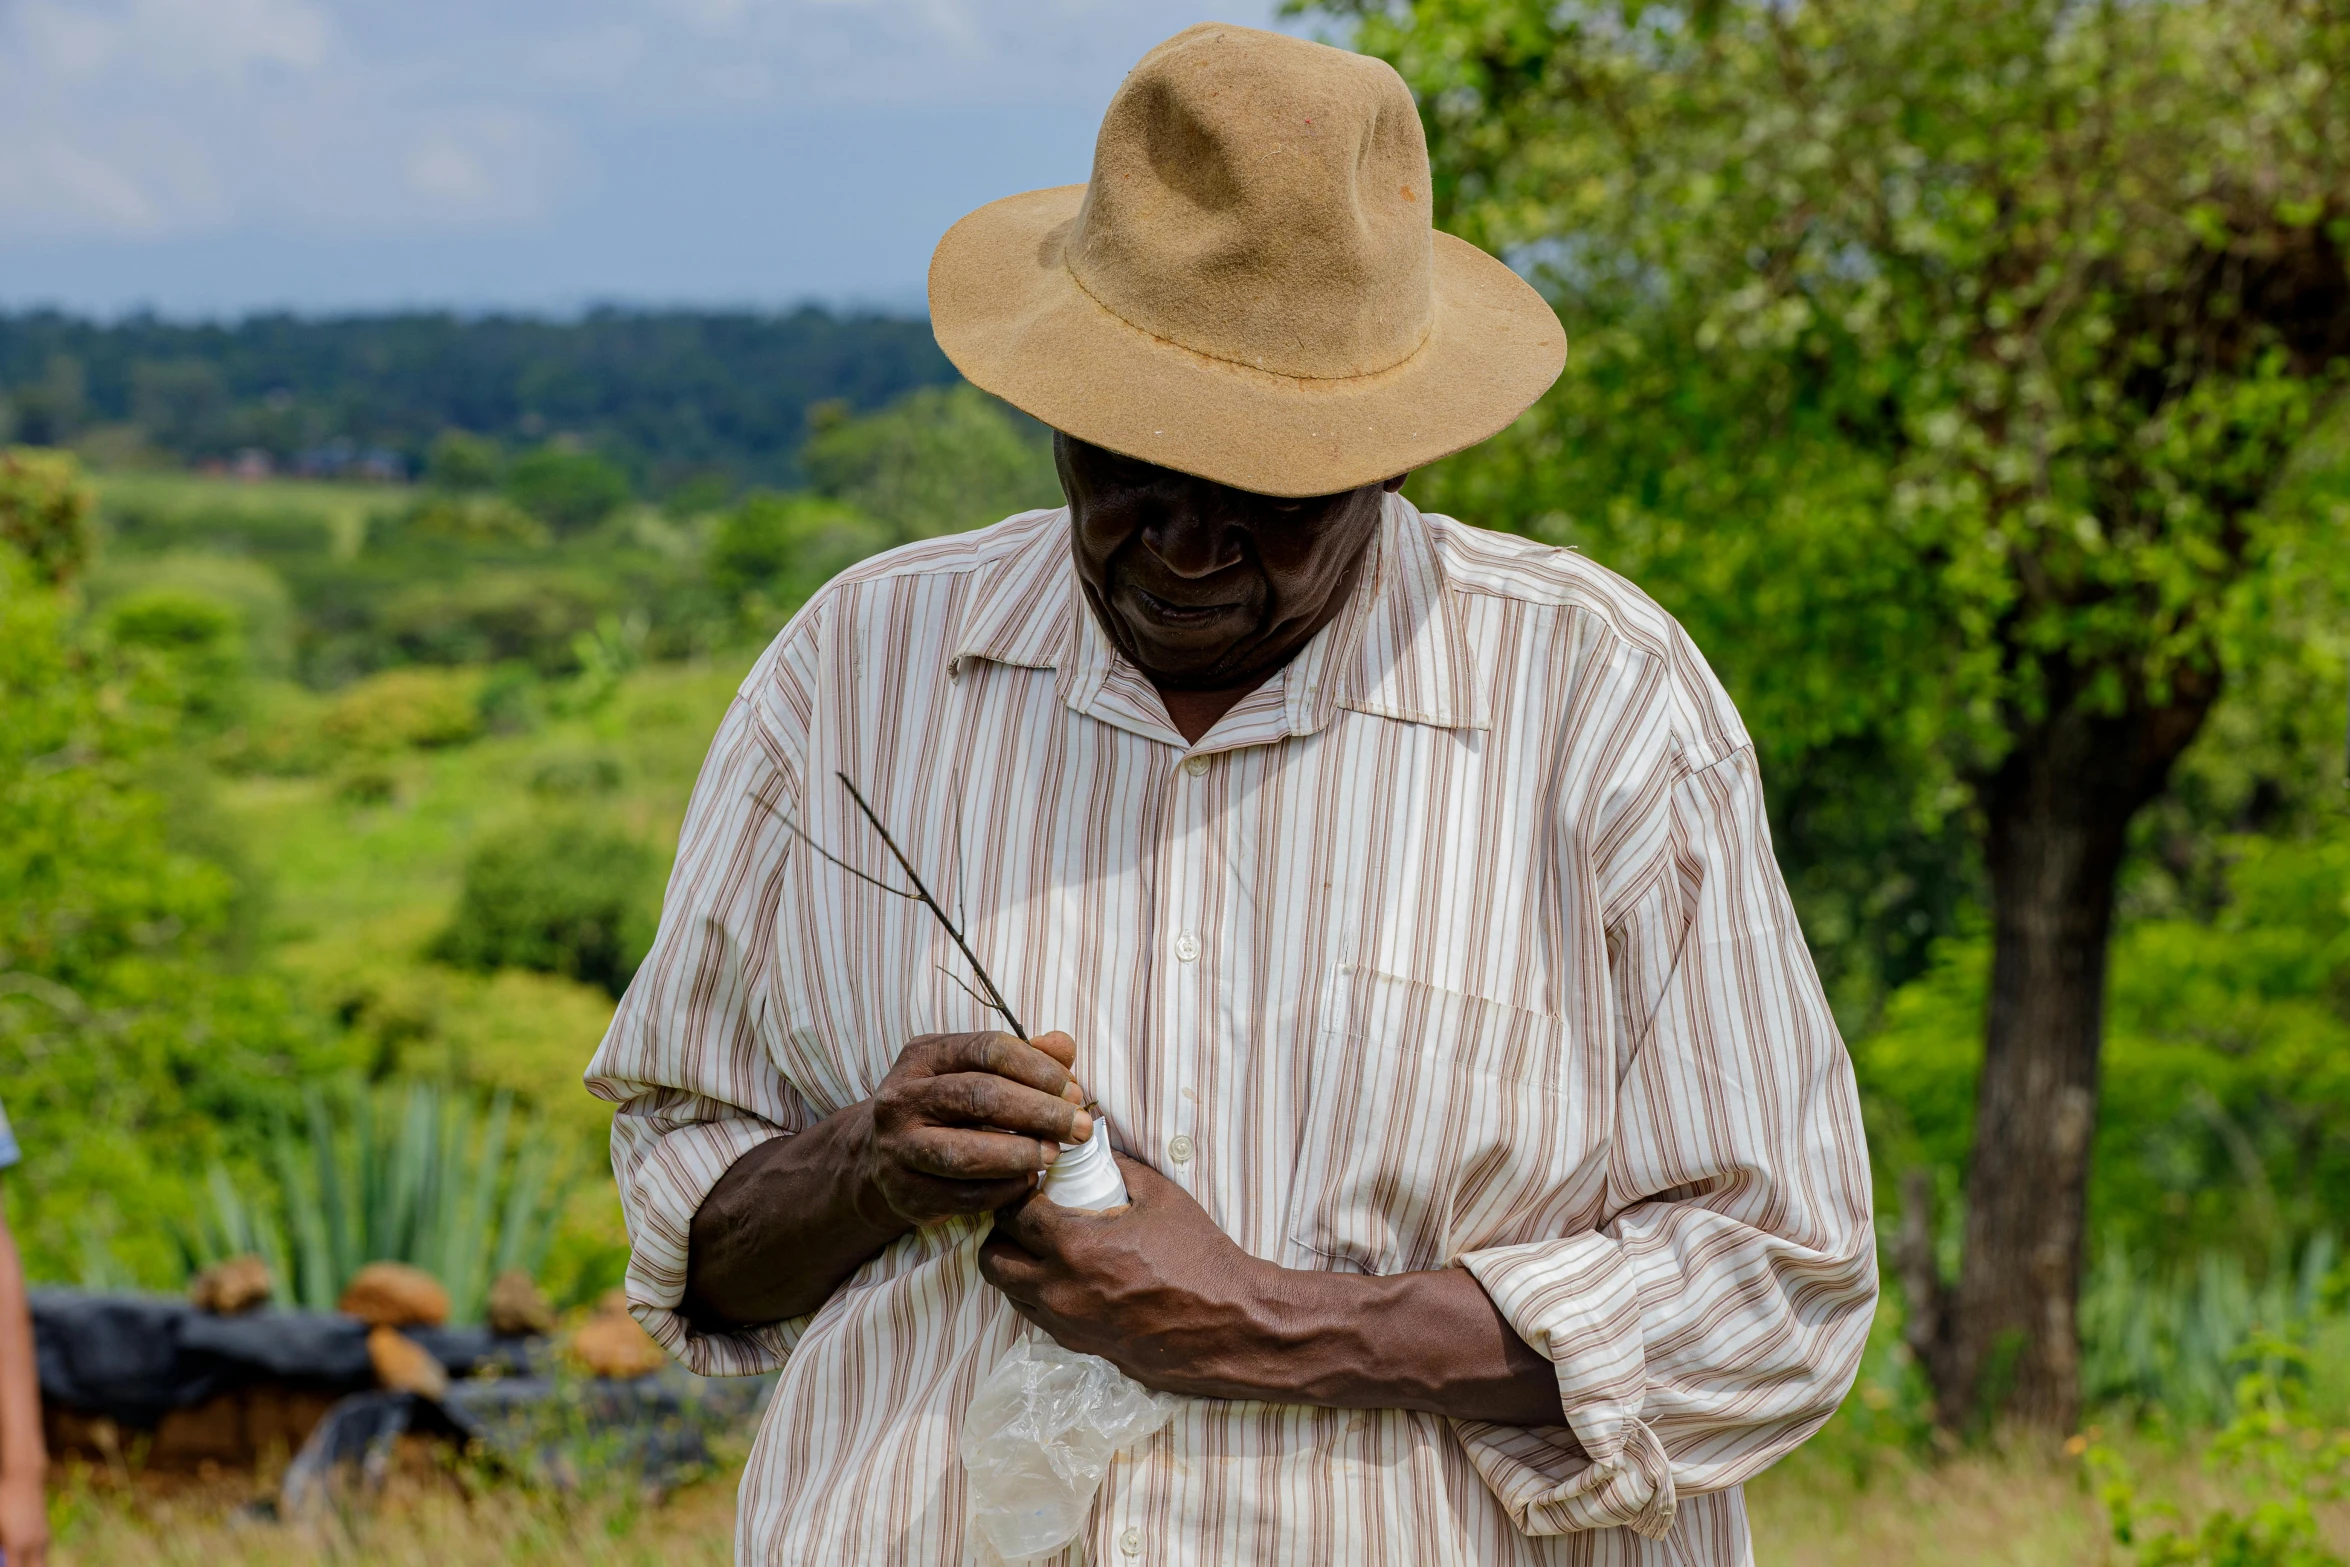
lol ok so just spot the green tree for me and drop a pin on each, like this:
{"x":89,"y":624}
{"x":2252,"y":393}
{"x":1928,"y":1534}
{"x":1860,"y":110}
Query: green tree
{"x":562,"y":894}
{"x":132,"y":1046}
{"x":462,"y":463}
{"x":1935,"y":359}
{"x":570,"y":491}
{"x":45,"y":511}
{"x":938,"y":460}
{"x":779,"y":549}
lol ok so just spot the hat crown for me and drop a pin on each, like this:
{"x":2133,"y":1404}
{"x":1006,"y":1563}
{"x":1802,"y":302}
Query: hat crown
{"x":1263,"y":200}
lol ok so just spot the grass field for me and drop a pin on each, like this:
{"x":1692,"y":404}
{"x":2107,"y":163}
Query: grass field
{"x":2020,"y":1509}
{"x":360,"y":883}
{"x":171,"y":497}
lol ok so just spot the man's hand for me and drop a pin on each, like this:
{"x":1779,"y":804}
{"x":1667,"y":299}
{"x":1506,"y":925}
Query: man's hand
{"x":962,"y":1124}
{"x":965,"y":1123}
{"x":1164,"y":1295}
{"x":24,"y":1520}
{"x":1155,"y":1288}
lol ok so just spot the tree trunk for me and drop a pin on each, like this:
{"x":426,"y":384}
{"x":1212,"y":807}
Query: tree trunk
{"x":2005,"y":1343}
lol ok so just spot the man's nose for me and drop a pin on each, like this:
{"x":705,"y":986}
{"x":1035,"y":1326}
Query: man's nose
{"x":1192,"y":541}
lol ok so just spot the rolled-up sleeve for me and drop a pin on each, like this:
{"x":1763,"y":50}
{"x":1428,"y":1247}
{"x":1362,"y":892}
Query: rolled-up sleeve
{"x":1715,"y":1317}
{"x":688,"y":1059}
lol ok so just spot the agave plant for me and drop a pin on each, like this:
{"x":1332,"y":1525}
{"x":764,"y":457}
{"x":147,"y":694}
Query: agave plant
{"x":425,"y":1177}
{"x":2177,"y":1345}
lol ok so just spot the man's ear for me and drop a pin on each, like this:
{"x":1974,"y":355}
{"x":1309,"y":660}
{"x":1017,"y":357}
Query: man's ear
{"x":1396,"y":483}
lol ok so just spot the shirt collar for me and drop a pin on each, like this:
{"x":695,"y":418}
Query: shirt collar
{"x":1395,"y":651}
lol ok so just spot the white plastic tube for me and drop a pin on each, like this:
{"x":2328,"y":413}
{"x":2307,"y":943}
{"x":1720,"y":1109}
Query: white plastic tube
{"x":1045,"y":1421}
{"x":1085,"y":1176}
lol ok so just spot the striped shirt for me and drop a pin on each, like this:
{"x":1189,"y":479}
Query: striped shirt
{"x":1458,"y":941}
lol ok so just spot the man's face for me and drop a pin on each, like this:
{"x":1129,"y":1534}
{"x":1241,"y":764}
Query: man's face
{"x":1204,"y":587}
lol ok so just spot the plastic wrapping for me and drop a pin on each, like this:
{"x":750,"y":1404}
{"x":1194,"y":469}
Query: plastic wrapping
{"x":1038,"y":1439}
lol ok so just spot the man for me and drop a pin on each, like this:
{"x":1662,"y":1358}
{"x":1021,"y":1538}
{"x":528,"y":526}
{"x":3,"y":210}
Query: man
{"x":24,"y":1459}
{"x":1400,"y":894}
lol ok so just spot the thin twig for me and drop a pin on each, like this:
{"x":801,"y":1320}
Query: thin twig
{"x":977,"y":967}
{"x":872,"y":881}
{"x":956,"y":979}
{"x":922,"y":898}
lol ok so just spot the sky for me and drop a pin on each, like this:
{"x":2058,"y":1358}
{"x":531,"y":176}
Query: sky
{"x":210,"y":158}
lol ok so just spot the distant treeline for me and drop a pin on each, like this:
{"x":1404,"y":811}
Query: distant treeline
{"x":675,"y":397}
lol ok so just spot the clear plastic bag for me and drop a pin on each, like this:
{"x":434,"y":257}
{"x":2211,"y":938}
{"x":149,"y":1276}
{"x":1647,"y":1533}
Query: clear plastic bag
{"x":1038,"y":1439}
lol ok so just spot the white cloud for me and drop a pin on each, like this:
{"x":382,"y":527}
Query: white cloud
{"x":597,"y":57}
{"x":165,"y":117}
{"x":485,"y":166}
{"x":220,"y":40}
{"x":81,"y":190}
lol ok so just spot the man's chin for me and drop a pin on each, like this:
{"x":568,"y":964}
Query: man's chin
{"x":1187,"y":658}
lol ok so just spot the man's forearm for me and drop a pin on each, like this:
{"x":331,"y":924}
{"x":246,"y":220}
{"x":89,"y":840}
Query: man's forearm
{"x":1167,"y":1296}
{"x":1430,"y":1341}
{"x":784,"y":1226}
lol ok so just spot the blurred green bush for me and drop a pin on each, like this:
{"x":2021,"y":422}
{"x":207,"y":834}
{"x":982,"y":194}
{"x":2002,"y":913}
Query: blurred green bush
{"x":2226,"y":1124}
{"x":404,"y":708}
{"x":568,"y":490}
{"x":44,"y":511}
{"x":134,"y":1045}
{"x":772,"y":551}
{"x":561,"y":893}
{"x":940,"y":460}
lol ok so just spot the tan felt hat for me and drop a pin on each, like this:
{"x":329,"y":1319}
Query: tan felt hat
{"x":1249,"y":289}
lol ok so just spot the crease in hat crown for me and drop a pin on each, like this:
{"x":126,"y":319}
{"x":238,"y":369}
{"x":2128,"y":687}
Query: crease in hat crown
{"x":1262,"y":200}
{"x":1249,"y":288}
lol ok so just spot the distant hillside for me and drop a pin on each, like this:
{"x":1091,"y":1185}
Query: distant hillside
{"x":674,"y":396}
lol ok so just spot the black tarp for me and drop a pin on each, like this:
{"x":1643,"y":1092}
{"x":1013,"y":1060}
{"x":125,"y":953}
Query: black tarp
{"x":650,"y":1431}
{"x":135,"y":1358}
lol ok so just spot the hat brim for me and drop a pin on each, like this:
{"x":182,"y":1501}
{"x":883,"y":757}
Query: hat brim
{"x":1016,"y":323}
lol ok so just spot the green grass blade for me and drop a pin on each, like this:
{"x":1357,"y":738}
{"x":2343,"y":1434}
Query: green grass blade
{"x":315,"y":1261}
{"x":334,"y":1205}
{"x":468,"y":1254}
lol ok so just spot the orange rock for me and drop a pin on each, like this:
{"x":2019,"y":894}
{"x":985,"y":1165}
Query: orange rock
{"x":394,"y":1295}
{"x":405,"y":1366}
{"x":227,"y":1288}
{"x":517,"y":1308}
{"x":610,"y":1344}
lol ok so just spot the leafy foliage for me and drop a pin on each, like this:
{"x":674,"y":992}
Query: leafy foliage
{"x":421,"y":1178}
{"x":2226,"y":1123}
{"x":568,"y":490}
{"x":561,"y":894}
{"x":2285,"y":1460}
{"x":939,"y":460}
{"x":1929,"y":359}
{"x":772,"y":551}
{"x":1940,"y":363}
{"x":44,"y":511}
{"x":131,"y":1048}
{"x":669,"y":395}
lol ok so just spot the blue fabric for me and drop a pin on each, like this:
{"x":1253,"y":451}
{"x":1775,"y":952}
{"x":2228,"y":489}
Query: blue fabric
{"x":8,"y":1156}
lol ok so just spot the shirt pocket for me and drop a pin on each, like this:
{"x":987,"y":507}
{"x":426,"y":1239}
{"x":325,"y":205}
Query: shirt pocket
{"x":1434,"y":1123}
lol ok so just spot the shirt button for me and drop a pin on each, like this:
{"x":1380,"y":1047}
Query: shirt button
{"x":1179,"y":1148}
{"x":1196,"y":765}
{"x":1131,"y":1542}
{"x":1187,"y":947}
